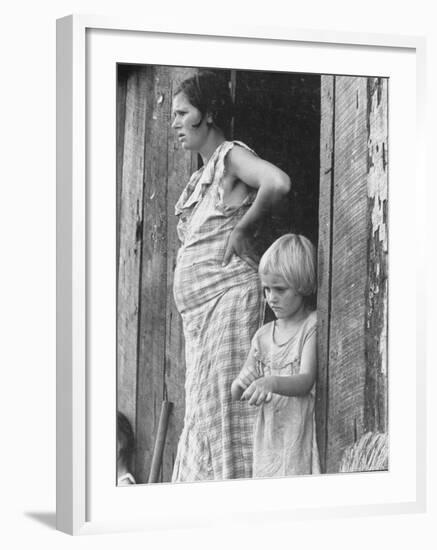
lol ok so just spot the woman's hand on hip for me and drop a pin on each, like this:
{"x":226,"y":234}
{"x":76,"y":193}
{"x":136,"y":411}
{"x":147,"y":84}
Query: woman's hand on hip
{"x":241,"y":243}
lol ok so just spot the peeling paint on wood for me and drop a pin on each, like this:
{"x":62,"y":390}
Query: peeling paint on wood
{"x":377,"y":162}
{"x":377,"y":291}
{"x":348,"y":271}
{"x":354,"y":378}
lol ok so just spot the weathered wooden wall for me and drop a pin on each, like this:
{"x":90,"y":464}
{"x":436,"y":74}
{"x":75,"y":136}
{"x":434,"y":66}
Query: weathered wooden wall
{"x":352,"y":300}
{"x":161,"y":350}
{"x":152,"y":171}
{"x":376,"y":405}
{"x":130,"y":136}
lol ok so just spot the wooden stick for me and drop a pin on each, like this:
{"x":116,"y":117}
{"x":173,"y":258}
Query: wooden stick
{"x":158,"y":447}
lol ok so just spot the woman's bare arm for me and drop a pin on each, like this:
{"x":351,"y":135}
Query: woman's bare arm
{"x":272,"y":184}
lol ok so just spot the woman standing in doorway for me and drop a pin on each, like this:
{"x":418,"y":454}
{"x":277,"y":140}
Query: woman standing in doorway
{"x":216,"y":285}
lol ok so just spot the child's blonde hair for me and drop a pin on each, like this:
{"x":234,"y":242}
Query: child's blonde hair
{"x":293,"y":257}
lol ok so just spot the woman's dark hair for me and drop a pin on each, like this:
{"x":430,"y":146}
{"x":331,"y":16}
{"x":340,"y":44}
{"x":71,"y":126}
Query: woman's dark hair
{"x":209,"y":92}
{"x":125,"y":436}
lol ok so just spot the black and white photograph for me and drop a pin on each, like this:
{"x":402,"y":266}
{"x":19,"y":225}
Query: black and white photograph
{"x":252,"y":274}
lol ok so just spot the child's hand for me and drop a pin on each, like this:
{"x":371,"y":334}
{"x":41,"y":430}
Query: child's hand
{"x":260,"y":391}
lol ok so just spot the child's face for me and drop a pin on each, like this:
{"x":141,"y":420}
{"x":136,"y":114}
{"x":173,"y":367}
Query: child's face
{"x":282,"y":299}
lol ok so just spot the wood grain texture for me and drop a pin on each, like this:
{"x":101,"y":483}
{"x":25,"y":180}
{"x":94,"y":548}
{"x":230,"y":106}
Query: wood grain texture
{"x":349,"y":270}
{"x":152,"y":328}
{"x":181,"y":164}
{"x":160,"y":438}
{"x":131,"y":213}
{"x":377,"y":277}
{"x":324,"y":259}
{"x":122,"y":76}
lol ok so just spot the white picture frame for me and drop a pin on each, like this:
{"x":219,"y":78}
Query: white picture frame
{"x":78,"y":38}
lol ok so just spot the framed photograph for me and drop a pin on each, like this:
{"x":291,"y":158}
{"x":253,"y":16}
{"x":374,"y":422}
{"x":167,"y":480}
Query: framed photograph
{"x":182,"y":157}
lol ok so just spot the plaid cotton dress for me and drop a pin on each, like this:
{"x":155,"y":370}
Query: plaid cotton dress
{"x":221,"y":309}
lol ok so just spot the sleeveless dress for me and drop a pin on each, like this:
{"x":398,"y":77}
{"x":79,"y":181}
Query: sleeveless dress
{"x":221,"y":309}
{"x":284,"y":435}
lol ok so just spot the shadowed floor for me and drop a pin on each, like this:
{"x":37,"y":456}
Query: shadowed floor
{"x":46,"y":518}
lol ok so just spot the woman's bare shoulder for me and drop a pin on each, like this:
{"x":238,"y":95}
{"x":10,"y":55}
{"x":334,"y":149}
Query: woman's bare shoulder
{"x":239,"y":155}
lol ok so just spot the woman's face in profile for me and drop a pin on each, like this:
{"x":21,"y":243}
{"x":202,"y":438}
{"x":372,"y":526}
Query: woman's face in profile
{"x":191,"y":130}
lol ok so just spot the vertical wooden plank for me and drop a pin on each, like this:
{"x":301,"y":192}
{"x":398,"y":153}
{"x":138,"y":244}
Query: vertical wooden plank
{"x":349,"y":269}
{"x":130,"y":243}
{"x":122,"y":76}
{"x":327,"y":102}
{"x":233,"y":90}
{"x":152,"y":330}
{"x":181,"y":164}
{"x":376,"y":295}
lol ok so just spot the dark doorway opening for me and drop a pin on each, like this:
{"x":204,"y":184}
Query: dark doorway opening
{"x":278,"y":115}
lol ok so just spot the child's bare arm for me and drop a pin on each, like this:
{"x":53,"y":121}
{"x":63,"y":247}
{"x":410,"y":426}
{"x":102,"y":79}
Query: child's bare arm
{"x":248,"y":374}
{"x":292,"y":386}
{"x":239,"y":388}
{"x":272,"y":185}
{"x":259,"y":391}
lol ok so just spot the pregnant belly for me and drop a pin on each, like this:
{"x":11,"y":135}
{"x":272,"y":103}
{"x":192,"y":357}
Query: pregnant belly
{"x":197,"y":282}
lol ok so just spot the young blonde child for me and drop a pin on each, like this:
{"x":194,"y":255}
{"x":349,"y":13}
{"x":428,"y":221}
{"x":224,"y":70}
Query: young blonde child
{"x":280,"y":371}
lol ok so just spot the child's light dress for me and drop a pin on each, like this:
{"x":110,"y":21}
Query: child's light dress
{"x":285,"y":436}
